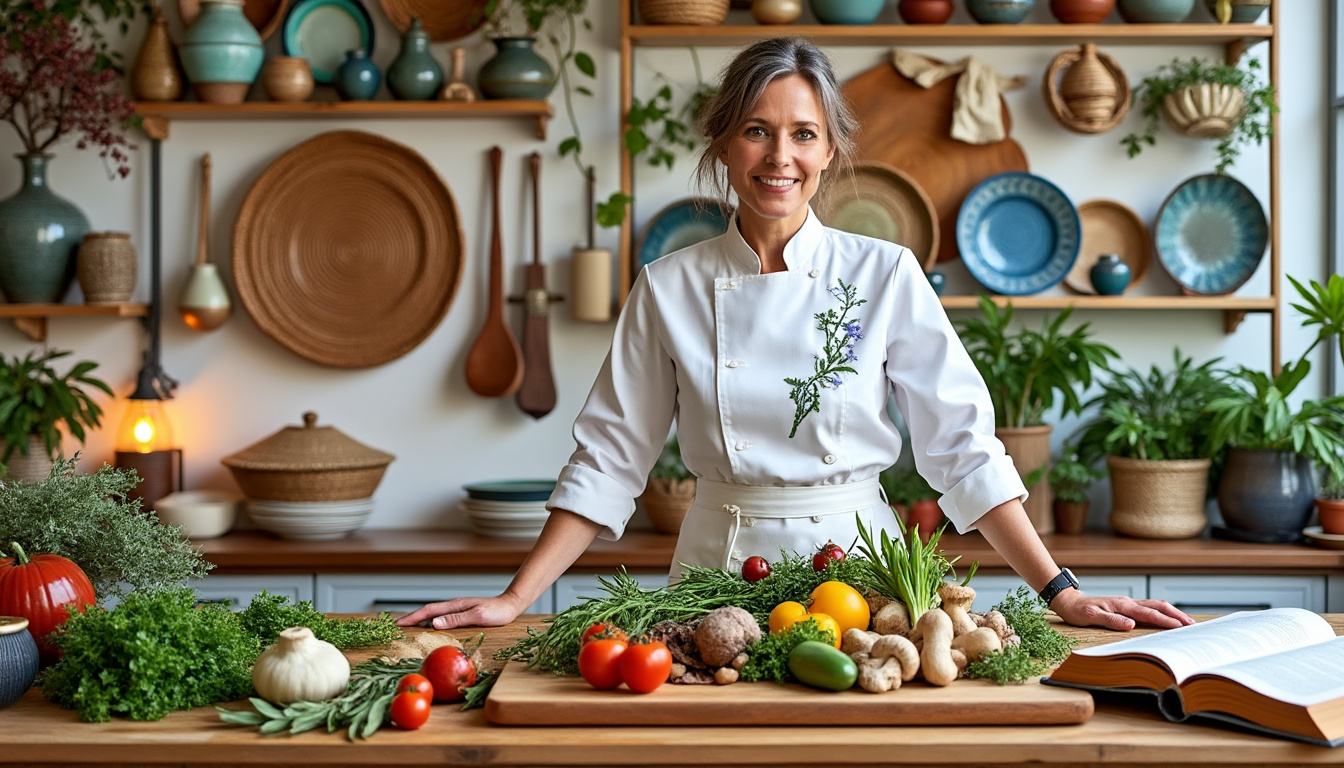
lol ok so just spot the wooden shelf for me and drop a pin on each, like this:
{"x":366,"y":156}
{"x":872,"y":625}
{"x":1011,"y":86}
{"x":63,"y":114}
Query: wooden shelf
{"x":158,"y":115}
{"x":1234,"y":308}
{"x":31,"y":319}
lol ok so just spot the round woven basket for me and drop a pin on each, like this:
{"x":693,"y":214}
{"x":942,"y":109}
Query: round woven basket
{"x":308,"y":463}
{"x":1158,"y":499}
{"x":702,"y":13}
{"x":1093,"y":96}
{"x":1204,"y":111}
{"x":667,"y":501}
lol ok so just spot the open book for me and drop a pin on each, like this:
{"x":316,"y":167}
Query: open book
{"x":1279,"y":671}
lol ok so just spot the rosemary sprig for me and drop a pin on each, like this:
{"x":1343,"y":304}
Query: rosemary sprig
{"x":837,"y":352}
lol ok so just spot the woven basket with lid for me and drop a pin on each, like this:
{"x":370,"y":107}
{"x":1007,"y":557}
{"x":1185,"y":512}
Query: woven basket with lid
{"x":308,"y":463}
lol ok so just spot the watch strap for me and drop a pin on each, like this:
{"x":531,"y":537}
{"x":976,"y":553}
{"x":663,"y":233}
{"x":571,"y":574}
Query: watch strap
{"x":1063,"y":581}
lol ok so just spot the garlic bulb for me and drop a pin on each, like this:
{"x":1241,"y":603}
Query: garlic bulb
{"x":299,"y":667}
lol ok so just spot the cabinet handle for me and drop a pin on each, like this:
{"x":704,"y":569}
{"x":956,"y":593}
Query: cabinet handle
{"x":1221,"y":607}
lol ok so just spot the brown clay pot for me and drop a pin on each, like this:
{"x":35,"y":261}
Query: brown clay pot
{"x":1070,"y":516}
{"x":287,"y":78}
{"x":926,"y":514}
{"x":156,"y":75}
{"x":1081,"y":11}
{"x":667,"y":501}
{"x":925,"y":11}
{"x":1331,"y":512}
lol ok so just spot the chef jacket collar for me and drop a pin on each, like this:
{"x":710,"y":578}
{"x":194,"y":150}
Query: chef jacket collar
{"x":798,"y":251}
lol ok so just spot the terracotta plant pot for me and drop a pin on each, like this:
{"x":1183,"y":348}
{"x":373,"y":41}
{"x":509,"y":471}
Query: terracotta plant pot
{"x":1331,"y":512}
{"x":667,"y":501}
{"x":1081,"y":11}
{"x":1158,"y":499}
{"x":1070,"y":516}
{"x":926,"y":514}
{"x":1029,"y":448}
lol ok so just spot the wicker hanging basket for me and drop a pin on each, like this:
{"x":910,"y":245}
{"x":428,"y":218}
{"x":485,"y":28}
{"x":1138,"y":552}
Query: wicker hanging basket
{"x":308,"y":463}
{"x":700,"y":13}
{"x":1204,"y":111}
{"x":1093,"y":94}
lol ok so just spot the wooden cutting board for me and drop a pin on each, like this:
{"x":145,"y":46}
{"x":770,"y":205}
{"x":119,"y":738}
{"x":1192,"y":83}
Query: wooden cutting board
{"x":525,"y":696}
{"x":908,"y":126}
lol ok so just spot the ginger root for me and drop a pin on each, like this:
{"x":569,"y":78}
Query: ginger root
{"x":897,"y":647}
{"x":878,"y":675}
{"x":857,"y":641}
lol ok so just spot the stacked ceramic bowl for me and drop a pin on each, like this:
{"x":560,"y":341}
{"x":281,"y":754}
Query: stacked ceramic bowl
{"x":510,"y":509}
{"x":310,"y":520}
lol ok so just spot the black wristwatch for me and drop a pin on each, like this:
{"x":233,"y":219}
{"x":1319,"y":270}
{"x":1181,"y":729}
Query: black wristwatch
{"x":1063,"y":581}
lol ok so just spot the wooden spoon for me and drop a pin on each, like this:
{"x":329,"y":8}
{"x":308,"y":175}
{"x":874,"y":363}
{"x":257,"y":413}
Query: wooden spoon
{"x":495,"y":363}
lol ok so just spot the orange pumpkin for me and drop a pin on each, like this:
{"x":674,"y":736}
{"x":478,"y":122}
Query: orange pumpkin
{"x":39,"y":588}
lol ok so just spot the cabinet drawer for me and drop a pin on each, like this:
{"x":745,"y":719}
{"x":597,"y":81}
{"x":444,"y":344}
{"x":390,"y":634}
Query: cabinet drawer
{"x":571,"y":589}
{"x":989,"y":590}
{"x":1225,"y":594}
{"x":239,"y":589}
{"x":403,"y":593}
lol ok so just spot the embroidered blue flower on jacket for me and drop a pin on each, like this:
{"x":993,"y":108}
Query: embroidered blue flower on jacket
{"x":840,"y":333}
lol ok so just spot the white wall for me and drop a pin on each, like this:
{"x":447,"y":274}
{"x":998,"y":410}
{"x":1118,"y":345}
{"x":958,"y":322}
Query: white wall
{"x":239,"y":386}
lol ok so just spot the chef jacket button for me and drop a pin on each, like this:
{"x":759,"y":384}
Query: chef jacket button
{"x":814,"y":273}
{"x":829,"y":458}
{"x":750,"y":522}
{"x":816,"y":518}
{"x":733,"y":363}
{"x":741,"y":445}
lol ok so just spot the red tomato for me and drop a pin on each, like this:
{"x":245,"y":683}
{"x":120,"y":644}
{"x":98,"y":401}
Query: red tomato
{"x":449,"y":671}
{"x":417,"y":684}
{"x":599,"y":663}
{"x":409,"y":710}
{"x":646,"y":665}
{"x":755,"y":569}
{"x":823,"y":558}
{"x":603,"y":628}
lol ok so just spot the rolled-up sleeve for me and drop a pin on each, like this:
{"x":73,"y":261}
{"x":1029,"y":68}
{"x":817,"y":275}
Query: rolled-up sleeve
{"x":945,"y":404}
{"x":622,"y":426}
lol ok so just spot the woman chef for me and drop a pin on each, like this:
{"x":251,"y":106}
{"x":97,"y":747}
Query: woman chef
{"x":776,"y":347}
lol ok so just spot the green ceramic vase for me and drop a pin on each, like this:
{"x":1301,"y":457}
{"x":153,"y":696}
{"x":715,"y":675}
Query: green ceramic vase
{"x":415,"y":75}
{"x":39,"y":236}
{"x":516,"y":71}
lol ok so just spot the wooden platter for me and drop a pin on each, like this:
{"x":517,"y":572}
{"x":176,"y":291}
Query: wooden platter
{"x":525,"y":696}
{"x":1110,"y":227}
{"x":908,"y":127}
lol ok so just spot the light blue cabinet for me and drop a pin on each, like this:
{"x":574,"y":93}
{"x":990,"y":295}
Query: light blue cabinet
{"x":402,"y":593}
{"x":1225,"y":594}
{"x":572,"y":588}
{"x":239,"y":589}
{"x":992,"y":589}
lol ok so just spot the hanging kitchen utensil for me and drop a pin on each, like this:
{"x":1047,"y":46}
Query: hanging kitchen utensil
{"x":590,"y":272}
{"x":457,"y":88}
{"x":495,"y":362}
{"x":537,"y":395}
{"x":204,"y":303}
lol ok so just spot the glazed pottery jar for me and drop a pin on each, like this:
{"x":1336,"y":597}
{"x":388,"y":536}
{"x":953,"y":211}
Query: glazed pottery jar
{"x":999,"y":11}
{"x":1081,"y":11}
{"x":39,"y":236}
{"x":938,"y":280}
{"x":18,"y":659}
{"x":776,"y":11}
{"x":925,"y":11}
{"x":1156,"y":11}
{"x":415,"y":75}
{"x":222,"y":52}
{"x":1110,"y":275}
{"x":106,"y":267}
{"x":847,"y":11}
{"x":287,"y":78}
{"x":1238,"y":11}
{"x":1266,"y":495}
{"x":515,"y":71}
{"x":357,"y":78}
{"x":155,"y":76}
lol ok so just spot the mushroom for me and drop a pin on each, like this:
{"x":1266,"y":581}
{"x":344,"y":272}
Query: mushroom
{"x":725,"y":633}
{"x":957,"y":601}
{"x":977,"y":643}
{"x":892,"y":619}
{"x":897,"y":647}
{"x":935,"y":659}
{"x":878,"y":675}
{"x":857,"y":641}
{"x":726,"y":676}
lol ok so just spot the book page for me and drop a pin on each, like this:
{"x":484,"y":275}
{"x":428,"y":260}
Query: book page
{"x":1235,"y":637}
{"x":1304,"y":676}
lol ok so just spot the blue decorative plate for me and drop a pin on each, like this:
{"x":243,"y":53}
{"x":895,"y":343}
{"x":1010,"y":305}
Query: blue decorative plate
{"x":321,"y":31}
{"x":679,"y":225}
{"x":1018,"y":234}
{"x":1211,"y":234}
{"x":511,"y":490}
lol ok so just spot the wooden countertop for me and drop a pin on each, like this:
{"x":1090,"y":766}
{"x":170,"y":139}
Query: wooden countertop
{"x":35,"y":732}
{"x":431,"y":551}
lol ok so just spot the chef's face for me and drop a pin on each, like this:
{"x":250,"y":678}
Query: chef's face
{"x":776,"y":158}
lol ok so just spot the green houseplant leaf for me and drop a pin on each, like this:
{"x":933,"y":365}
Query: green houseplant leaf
{"x":35,"y":400}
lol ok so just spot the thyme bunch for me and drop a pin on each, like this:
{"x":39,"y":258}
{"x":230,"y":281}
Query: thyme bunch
{"x":1041,"y":649}
{"x":267,"y":615}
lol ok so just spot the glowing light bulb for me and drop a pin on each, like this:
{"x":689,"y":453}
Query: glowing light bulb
{"x":145,"y":427}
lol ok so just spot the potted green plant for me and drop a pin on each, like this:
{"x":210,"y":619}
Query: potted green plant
{"x":1330,"y":504}
{"x":913,"y":498}
{"x":1029,"y":373}
{"x":1154,"y":432}
{"x":1206,"y":100}
{"x":670,"y":491}
{"x":1267,"y":488}
{"x":35,"y":402}
{"x":1070,"y":479}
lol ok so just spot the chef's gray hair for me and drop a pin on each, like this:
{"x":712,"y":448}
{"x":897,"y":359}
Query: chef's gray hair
{"x":740,"y":87}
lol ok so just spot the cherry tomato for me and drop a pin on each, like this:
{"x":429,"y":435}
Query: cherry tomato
{"x":417,"y":684}
{"x":605,"y":630}
{"x":599,"y":662}
{"x":823,"y":558}
{"x":449,"y":671}
{"x":409,"y":710}
{"x":645,"y":665}
{"x":755,"y":569}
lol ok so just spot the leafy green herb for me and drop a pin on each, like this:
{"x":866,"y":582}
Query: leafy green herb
{"x":1042,"y":647}
{"x":907,"y":568}
{"x":89,"y":520}
{"x":1070,"y":477}
{"x":475,"y":694}
{"x":768,"y":658}
{"x":157,"y":652}
{"x":1010,"y":666}
{"x":268,"y":615}
{"x":361,"y":710}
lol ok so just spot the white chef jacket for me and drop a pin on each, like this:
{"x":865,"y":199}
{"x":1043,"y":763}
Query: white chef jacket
{"x":706,"y":339}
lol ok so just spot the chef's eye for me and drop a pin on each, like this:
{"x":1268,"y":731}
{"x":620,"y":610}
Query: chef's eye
{"x":754,"y":132}
{"x":806,"y":135}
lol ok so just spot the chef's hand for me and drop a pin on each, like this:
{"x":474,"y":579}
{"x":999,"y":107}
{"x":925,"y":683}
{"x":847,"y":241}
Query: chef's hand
{"x":1118,"y":613}
{"x":464,"y":612}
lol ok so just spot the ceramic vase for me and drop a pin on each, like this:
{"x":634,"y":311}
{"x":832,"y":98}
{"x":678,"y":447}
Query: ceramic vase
{"x":1266,"y":495}
{"x":938,"y":280}
{"x":106,"y":267}
{"x":222,"y":52}
{"x":357,"y":79}
{"x":287,"y":78}
{"x":1089,"y":90}
{"x":1237,"y":11}
{"x":1081,"y":11}
{"x":1155,"y":11}
{"x":18,"y":659}
{"x":39,"y":236}
{"x":414,"y":74}
{"x":1110,"y":275}
{"x":925,"y":11}
{"x":156,"y":76}
{"x":776,"y":11}
{"x":999,"y":11}
{"x":847,"y":11}
{"x":204,"y":303}
{"x":515,"y":71}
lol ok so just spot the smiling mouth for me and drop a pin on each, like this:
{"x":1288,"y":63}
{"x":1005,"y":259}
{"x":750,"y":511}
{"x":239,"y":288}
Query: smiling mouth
{"x":777,"y":183}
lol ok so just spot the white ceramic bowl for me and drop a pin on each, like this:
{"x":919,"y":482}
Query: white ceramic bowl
{"x":201,"y":514}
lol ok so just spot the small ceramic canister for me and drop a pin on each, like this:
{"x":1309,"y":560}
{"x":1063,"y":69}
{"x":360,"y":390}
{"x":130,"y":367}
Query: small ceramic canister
{"x":18,"y":659}
{"x":106,"y":267}
{"x":287,"y":78}
{"x":358,"y":78}
{"x":776,"y":11}
{"x":1110,"y":275}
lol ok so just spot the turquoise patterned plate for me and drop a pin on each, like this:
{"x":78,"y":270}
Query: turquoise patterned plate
{"x":1018,"y":234}
{"x":680,"y":225}
{"x":1211,"y":234}
{"x":321,"y":31}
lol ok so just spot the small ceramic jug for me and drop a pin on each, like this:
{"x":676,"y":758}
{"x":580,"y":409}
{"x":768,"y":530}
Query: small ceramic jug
{"x":515,"y":71}
{"x":222,"y":52}
{"x":155,"y":76}
{"x":18,"y":659}
{"x":415,"y":75}
{"x":1110,"y":275}
{"x":938,"y":280}
{"x":357,"y":78}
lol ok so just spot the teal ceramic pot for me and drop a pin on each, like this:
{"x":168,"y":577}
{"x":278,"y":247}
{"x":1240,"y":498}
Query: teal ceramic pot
{"x":18,"y":659}
{"x":40,"y":234}
{"x":999,"y":11}
{"x":1156,"y":11}
{"x":515,"y":71}
{"x":1110,"y":275}
{"x":938,"y":280}
{"x":221,"y":52}
{"x":1266,"y":495}
{"x":1243,"y":11}
{"x":847,"y":11}
{"x":415,"y":75}
{"x":357,"y":78}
